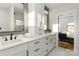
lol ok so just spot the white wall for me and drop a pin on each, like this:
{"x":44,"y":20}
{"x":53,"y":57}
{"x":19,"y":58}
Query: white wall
{"x":4,"y":19}
{"x":64,"y":9}
{"x":35,"y":13}
{"x":12,"y":21}
{"x":77,"y":33}
{"x":61,"y":9}
{"x":64,"y":23}
{"x":31,"y":18}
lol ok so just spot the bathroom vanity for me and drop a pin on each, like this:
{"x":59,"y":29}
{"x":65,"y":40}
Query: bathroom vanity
{"x":21,"y":20}
{"x":42,"y":46}
{"x":36,"y":46}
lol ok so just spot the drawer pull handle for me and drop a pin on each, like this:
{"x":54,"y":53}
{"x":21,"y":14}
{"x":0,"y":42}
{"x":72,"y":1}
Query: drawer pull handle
{"x":36,"y":42}
{"x":47,"y":50}
{"x":47,"y":38}
{"x":37,"y":50}
{"x":50,"y":40}
{"x":46,"y":43}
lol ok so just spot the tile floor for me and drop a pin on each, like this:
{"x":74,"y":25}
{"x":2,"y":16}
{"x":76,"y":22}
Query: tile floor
{"x":61,"y":52}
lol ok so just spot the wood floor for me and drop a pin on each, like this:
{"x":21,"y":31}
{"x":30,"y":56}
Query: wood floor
{"x":66,"y":45}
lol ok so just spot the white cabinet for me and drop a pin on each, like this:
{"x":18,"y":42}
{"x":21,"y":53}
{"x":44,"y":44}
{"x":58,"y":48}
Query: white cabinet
{"x":22,"y":53}
{"x":42,"y":46}
{"x":34,"y":48}
{"x":14,"y":51}
{"x":45,"y":45}
{"x":34,"y":51}
{"x":52,"y":41}
{"x":48,"y":43}
{"x":37,"y":47}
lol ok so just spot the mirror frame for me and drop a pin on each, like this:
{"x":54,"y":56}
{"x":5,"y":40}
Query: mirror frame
{"x":25,"y":29}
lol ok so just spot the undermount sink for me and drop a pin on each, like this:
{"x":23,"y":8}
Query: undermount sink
{"x":28,"y":35}
{"x":11,"y":41}
{"x":34,"y":36}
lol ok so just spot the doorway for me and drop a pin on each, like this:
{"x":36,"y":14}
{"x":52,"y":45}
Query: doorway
{"x":66,"y":32}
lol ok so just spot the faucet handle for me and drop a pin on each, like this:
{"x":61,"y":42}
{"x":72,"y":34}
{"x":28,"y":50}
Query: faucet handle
{"x":15,"y":37}
{"x":5,"y":38}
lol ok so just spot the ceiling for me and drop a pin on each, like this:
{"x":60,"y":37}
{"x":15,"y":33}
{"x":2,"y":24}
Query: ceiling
{"x":5,"y":5}
{"x":18,"y":7}
{"x":49,"y":5}
{"x":54,"y":5}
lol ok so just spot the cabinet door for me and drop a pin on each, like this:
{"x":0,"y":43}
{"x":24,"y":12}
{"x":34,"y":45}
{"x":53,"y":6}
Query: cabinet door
{"x":35,"y":51}
{"x":34,"y":48}
{"x":34,"y":43}
{"x":44,"y":46}
{"x":22,"y":53}
{"x":13,"y":50}
{"x":52,"y":42}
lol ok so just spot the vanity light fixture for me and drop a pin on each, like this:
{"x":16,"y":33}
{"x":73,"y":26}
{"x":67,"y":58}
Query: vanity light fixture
{"x":46,"y":10}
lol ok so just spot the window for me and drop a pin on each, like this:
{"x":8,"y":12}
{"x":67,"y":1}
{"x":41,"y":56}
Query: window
{"x":55,"y":27}
{"x":71,"y":27}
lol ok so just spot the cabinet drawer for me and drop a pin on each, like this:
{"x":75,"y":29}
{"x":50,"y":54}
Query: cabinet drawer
{"x":34,"y":51}
{"x":13,"y":50}
{"x":45,"y":50}
{"x":22,"y":53}
{"x":34,"y":48}
{"x":53,"y":36}
{"x":43,"y":40}
{"x":34,"y":43}
{"x":47,"y":38}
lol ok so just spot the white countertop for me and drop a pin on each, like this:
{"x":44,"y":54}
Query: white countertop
{"x":24,"y":40}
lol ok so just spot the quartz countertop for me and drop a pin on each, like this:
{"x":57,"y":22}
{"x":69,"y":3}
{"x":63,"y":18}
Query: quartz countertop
{"x":24,"y":40}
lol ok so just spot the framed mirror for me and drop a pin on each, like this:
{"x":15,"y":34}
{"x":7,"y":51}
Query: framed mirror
{"x":19,"y":17}
{"x":11,"y":17}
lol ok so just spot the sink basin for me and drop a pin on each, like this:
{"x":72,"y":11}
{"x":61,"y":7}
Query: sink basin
{"x":11,"y":42}
{"x":30,"y":36}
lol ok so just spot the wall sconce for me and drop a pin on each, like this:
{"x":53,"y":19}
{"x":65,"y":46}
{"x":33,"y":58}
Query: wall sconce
{"x":46,"y":10}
